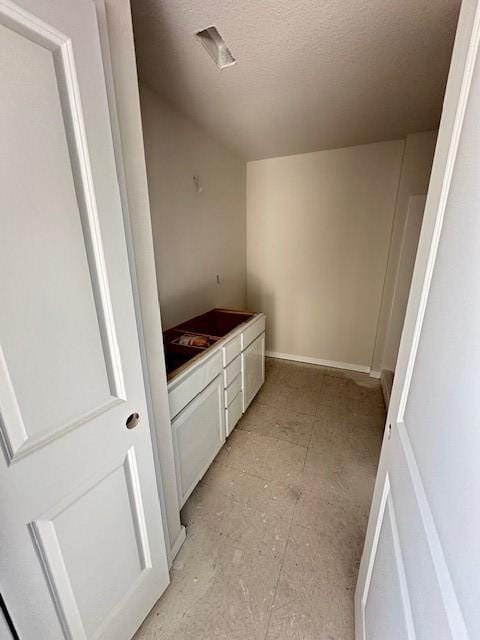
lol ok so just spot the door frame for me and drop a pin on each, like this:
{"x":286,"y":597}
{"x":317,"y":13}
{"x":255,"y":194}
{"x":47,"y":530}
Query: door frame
{"x":116,"y":39}
{"x":464,"y":58}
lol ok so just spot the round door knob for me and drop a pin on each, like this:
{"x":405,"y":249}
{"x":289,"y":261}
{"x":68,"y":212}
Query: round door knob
{"x":132,"y":420}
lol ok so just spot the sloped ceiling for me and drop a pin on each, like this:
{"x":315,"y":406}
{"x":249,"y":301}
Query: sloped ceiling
{"x":310,"y":74}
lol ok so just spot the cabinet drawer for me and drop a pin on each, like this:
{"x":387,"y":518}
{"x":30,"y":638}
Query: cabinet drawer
{"x":198,"y":434}
{"x":253,"y":369}
{"x":233,"y":413}
{"x":233,"y":390}
{"x":180,"y":394}
{"x":231,"y":350}
{"x":232,"y":370}
{"x":252,"y":331}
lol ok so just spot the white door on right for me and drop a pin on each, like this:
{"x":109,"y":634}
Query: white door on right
{"x":420,"y":571}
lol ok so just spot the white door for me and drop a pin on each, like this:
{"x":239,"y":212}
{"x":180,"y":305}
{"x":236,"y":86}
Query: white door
{"x":420,"y":571}
{"x":81,"y":538}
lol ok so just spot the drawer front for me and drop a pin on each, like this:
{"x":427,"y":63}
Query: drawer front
{"x":253,"y":369}
{"x":181,"y":394}
{"x":232,"y":370}
{"x":252,"y":331}
{"x":233,"y":413}
{"x":233,"y":390}
{"x":231,"y":350}
{"x":198,"y":434}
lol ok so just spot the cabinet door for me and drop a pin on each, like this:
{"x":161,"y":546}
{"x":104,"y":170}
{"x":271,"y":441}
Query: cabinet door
{"x":233,"y":413}
{"x":198,"y":434}
{"x":253,"y":369}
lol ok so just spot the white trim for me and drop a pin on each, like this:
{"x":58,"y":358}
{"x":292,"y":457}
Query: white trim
{"x":136,"y":503}
{"x":386,"y":380}
{"x":45,"y":538}
{"x":320,"y":361}
{"x":177,"y":545}
{"x":402,"y":577}
{"x":372,"y":556}
{"x":386,"y":507}
{"x":453,"y":611}
{"x":131,"y":174}
{"x":375,"y":374}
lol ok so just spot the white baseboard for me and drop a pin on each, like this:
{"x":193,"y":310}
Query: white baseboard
{"x":324,"y":363}
{"x":386,"y":380}
{"x":375,"y":374}
{"x":177,"y":545}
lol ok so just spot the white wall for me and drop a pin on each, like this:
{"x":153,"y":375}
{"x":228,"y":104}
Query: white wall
{"x":414,"y":179}
{"x":196,"y":235}
{"x":318,"y":230}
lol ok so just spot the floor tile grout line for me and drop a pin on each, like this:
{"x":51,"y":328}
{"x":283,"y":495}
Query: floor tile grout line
{"x":286,"y":546}
{"x":274,"y":596}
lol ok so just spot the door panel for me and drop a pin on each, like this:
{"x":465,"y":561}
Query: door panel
{"x":5,"y":633}
{"x":417,"y":536}
{"x":107,"y":536}
{"x":432,"y":445}
{"x":80,"y":518}
{"x":385,"y":588}
{"x":198,"y":434}
{"x":443,"y":404}
{"x":68,"y":344}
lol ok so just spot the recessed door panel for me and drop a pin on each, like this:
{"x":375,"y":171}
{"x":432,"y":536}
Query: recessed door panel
{"x":114,"y":552}
{"x":420,"y":570}
{"x":386,"y":608}
{"x":61,"y":324}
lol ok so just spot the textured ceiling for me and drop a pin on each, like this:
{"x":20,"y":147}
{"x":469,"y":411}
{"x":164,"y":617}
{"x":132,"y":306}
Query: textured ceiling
{"x":310,"y":74}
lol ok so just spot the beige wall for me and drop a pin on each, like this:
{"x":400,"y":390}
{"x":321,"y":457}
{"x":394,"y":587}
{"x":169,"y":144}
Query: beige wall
{"x":196,"y":235}
{"x":318,"y":230}
{"x":414,"y":179}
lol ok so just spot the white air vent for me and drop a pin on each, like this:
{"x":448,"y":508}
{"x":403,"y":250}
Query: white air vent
{"x":216,"y":47}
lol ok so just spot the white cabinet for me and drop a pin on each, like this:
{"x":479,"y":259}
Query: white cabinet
{"x":233,"y":412}
{"x":232,"y":391}
{"x":198,"y":435}
{"x":253,"y":369}
{"x":252,"y":330}
{"x":232,"y":371}
{"x":232,"y":349}
{"x":208,"y":398}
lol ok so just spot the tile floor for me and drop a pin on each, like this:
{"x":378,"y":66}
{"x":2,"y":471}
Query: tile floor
{"x":275,"y":529}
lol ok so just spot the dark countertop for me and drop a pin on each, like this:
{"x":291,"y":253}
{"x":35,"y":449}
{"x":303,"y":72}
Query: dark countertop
{"x":203,"y":332}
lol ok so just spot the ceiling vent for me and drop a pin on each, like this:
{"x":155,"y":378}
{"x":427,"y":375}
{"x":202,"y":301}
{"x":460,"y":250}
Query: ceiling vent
{"x":216,"y":47}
